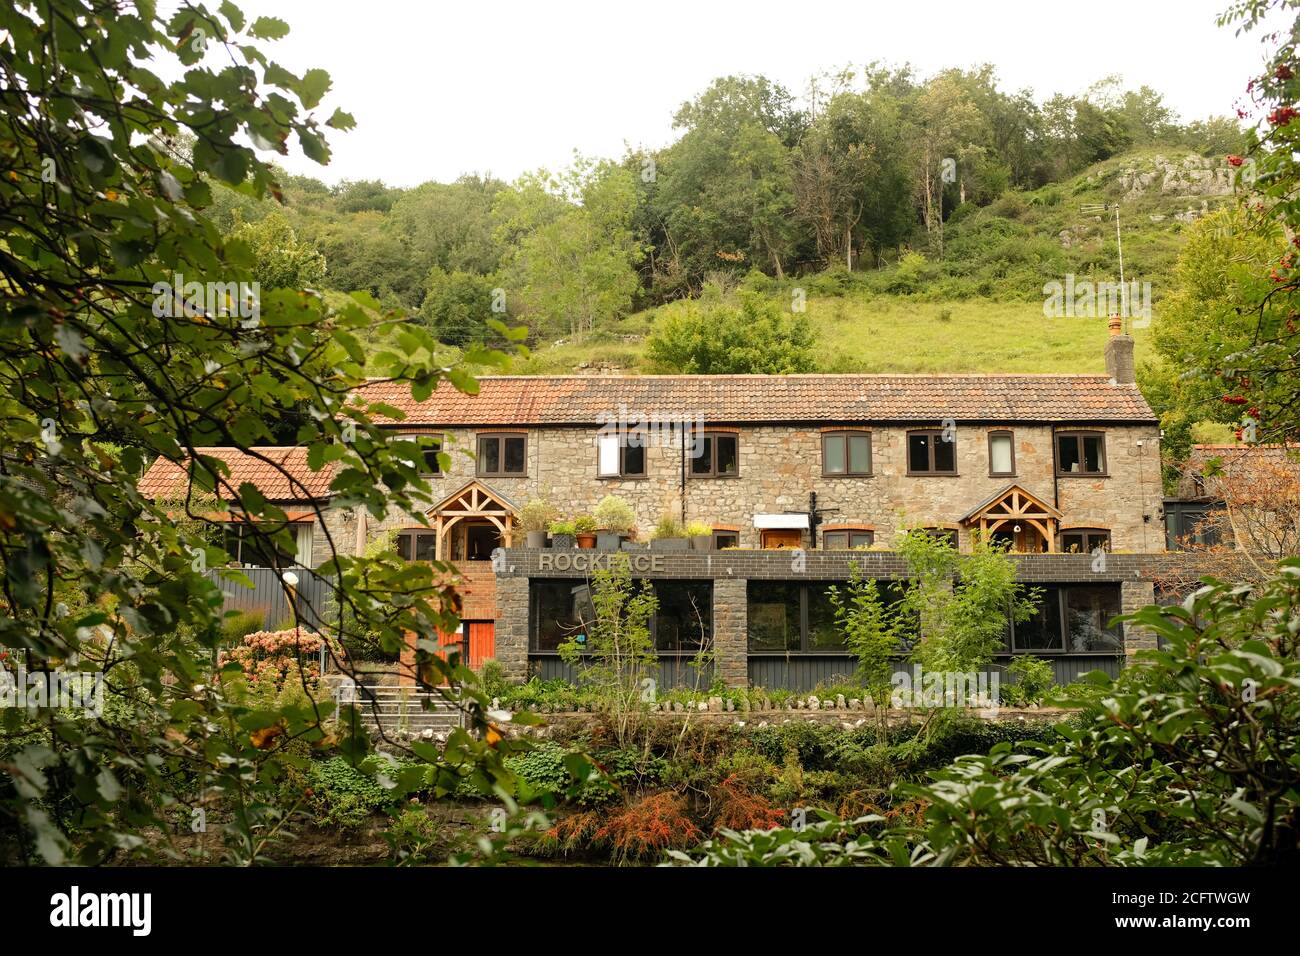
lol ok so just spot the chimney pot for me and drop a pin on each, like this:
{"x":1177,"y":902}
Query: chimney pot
{"x":1116,"y":325}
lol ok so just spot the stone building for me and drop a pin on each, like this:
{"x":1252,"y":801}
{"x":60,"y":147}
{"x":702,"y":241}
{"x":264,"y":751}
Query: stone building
{"x":797,"y":476}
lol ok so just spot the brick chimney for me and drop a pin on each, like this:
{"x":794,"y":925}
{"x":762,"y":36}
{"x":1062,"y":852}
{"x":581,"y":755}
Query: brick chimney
{"x":1119,"y":354}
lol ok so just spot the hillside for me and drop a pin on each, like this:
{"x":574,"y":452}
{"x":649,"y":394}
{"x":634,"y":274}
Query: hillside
{"x":980,"y":308}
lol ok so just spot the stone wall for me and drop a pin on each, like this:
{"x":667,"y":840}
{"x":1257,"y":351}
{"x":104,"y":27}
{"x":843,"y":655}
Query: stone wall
{"x":780,"y":465}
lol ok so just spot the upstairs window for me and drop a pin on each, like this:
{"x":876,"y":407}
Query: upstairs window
{"x":846,"y":453}
{"x":432,"y":445}
{"x":1085,"y":540}
{"x":929,"y":454}
{"x":1080,"y":453}
{"x":1002,"y":454}
{"x":620,"y":455}
{"x":502,"y":455}
{"x":845,"y":540}
{"x":719,"y":456}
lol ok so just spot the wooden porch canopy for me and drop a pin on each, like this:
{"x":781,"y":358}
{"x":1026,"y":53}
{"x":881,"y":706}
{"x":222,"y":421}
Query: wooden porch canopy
{"x":475,"y":500}
{"x":1014,"y":506}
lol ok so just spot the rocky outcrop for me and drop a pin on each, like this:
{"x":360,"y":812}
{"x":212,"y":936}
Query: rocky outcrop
{"x":1190,"y":176}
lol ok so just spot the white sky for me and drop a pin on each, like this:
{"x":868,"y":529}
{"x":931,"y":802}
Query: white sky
{"x":439,"y":89}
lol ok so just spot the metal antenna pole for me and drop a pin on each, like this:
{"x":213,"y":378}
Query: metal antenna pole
{"x":1123,"y":286}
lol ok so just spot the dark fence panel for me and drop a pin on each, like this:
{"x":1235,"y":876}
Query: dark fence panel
{"x":802,"y":673}
{"x":672,"y":671}
{"x":268,"y":595}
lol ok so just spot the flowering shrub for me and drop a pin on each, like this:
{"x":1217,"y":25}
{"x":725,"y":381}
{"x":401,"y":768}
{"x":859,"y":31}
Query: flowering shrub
{"x":276,"y":658}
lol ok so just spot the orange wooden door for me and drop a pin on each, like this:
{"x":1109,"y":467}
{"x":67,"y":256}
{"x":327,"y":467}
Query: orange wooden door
{"x":782,"y":538}
{"x":482,"y":642}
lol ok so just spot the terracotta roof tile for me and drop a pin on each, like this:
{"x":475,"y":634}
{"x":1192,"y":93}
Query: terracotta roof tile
{"x":297,"y":482}
{"x":721,"y":399}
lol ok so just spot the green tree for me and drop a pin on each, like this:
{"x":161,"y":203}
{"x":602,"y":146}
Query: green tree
{"x":101,"y":211}
{"x":571,"y":256}
{"x":280,"y":260}
{"x":458,"y":307}
{"x":616,"y":656}
{"x":1201,"y":324}
{"x":850,"y":180}
{"x":716,"y":338}
{"x":874,"y":635}
{"x":959,"y":605}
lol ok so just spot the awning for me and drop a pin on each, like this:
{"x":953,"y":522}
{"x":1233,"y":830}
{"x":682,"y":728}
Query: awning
{"x":781,"y":521}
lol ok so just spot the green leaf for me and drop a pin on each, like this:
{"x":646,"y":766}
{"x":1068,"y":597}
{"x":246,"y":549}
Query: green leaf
{"x":269,"y":28}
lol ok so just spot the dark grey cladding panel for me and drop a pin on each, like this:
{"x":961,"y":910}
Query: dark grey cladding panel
{"x":835,"y":565}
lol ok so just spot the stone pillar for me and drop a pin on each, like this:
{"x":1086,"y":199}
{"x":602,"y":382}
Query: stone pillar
{"x":730,"y":631}
{"x":1133,"y":596}
{"x":511,"y":631}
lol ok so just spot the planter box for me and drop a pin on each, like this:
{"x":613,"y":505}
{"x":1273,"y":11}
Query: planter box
{"x":608,"y":540}
{"x":633,"y":545}
{"x":562,"y":541}
{"x":702,"y":542}
{"x":670,"y":544}
{"x":536,"y":539}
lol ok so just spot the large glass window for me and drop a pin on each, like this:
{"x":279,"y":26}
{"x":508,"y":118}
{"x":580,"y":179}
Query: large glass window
{"x":1080,"y":453}
{"x":846,"y":453}
{"x":823,"y":633}
{"x":931,"y":453}
{"x":1088,"y":611}
{"x":1042,"y":632}
{"x":789,"y":617}
{"x":684,"y":621}
{"x":562,"y":611}
{"x":775,"y":616}
{"x":1072,"y":619}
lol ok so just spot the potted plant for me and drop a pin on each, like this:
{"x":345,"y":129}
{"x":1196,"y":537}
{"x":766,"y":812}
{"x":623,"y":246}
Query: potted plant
{"x":615,"y":521}
{"x":669,"y":535}
{"x":535,"y":517}
{"x":562,"y":533}
{"x":584,"y":527}
{"x":701,"y":535}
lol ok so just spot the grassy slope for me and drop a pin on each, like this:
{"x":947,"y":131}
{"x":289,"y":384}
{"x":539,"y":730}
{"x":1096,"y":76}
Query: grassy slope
{"x":989,"y":287}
